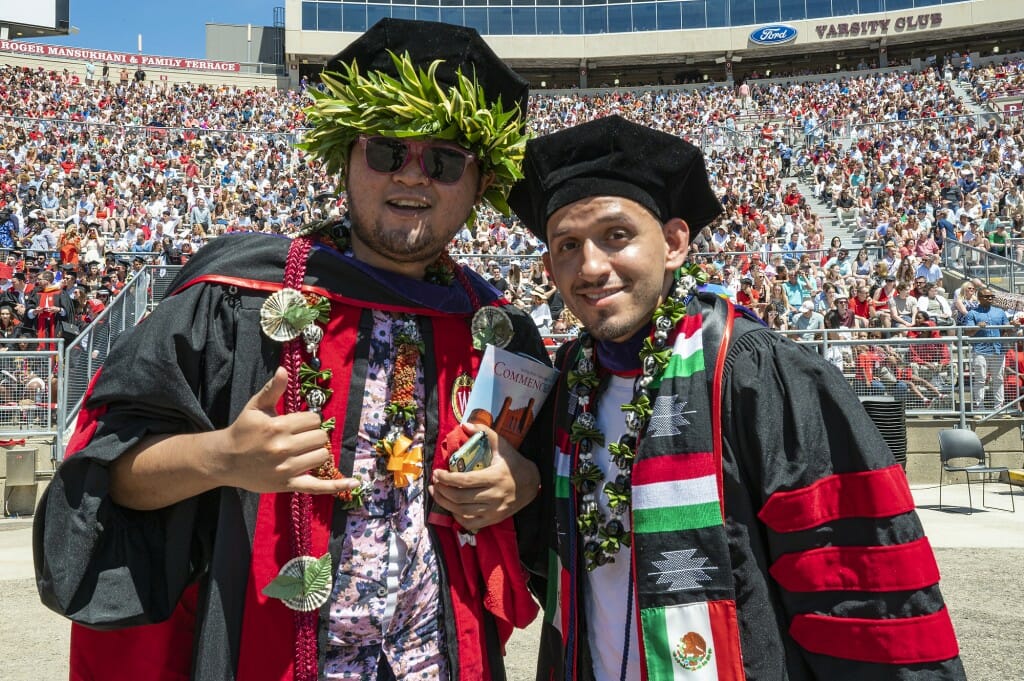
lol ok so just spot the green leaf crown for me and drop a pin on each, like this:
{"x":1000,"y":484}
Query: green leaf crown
{"x":416,"y":105}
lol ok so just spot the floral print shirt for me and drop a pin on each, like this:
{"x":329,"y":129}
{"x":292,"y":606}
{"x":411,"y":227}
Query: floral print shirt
{"x":386,"y":598}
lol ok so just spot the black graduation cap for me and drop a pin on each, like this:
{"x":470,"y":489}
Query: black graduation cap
{"x":427,"y":41}
{"x":613,"y":157}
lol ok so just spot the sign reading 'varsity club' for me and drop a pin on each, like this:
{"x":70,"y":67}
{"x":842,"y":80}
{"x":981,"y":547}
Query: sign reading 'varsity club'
{"x":776,"y":34}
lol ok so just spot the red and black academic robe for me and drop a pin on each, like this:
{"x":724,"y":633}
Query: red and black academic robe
{"x":188,"y":571}
{"x":48,"y":324}
{"x":833,"y":576}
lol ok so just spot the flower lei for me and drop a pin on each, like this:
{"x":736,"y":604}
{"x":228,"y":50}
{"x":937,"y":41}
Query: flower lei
{"x":290,"y":313}
{"x":603,"y":537}
{"x":397,"y":454}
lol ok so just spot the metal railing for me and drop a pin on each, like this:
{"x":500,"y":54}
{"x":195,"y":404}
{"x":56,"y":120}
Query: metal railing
{"x":838,"y":128}
{"x":954,"y":374}
{"x":31,"y":373}
{"x":998,"y":271}
{"x":86,"y":354}
{"x":949,"y":376}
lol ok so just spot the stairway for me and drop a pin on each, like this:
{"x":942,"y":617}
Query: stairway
{"x":828,"y":217}
{"x":965,"y":94}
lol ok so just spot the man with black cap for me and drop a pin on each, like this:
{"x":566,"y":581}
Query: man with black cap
{"x":282,"y":524}
{"x":721,"y":506}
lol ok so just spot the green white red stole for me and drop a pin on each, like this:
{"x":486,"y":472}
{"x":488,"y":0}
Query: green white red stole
{"x":685,"y":604}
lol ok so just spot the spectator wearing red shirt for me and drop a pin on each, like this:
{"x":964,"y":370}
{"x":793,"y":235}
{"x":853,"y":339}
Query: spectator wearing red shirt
{"x":927,"y":359}
{"x":1013,"y":380}
{"x":792,"y":197}
{"x":748,"y":296}
{"x":869,"y":359}
{"x":862,"y":306}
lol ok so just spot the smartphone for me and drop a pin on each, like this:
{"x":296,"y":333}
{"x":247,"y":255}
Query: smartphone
{"x":473,"y":455}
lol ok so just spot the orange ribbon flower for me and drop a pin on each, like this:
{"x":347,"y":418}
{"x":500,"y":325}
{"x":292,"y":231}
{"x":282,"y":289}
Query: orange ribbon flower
{"x":405,"y":461}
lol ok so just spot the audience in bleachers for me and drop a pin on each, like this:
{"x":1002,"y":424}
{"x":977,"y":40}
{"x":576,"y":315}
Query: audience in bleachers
{"x":94,"y":176}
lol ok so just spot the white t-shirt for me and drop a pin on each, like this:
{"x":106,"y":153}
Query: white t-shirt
{"x":606,"y":589}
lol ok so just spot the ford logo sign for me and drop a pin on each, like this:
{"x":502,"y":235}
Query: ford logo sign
{"x":776,"y":34}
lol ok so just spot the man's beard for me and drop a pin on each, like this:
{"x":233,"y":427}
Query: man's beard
{"x":399,"y":244}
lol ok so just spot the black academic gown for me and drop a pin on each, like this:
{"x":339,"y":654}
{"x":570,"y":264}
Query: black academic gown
{"x":51,"y":324}
{"x":796,"y":444}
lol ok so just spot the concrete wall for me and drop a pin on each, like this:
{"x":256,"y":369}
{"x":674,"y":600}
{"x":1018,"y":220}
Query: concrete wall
{"x":229,"y":42}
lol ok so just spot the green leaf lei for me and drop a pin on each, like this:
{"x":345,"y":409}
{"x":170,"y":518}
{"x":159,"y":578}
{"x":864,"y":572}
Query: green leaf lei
{"x":587,"y":378}
{"x":416,"y":105}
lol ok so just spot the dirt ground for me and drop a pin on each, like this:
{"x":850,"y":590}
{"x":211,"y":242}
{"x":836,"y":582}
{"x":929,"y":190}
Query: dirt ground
{"x":979,"y":585}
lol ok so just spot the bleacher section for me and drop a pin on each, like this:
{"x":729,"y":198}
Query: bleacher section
{"x":807,"y":169}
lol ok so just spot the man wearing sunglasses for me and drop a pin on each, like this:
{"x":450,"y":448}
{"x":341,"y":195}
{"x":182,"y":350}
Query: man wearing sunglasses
{"x":253,"y":478}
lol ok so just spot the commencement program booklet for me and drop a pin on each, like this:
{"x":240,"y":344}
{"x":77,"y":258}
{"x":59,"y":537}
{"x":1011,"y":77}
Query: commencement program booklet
{"x":508,"y":392}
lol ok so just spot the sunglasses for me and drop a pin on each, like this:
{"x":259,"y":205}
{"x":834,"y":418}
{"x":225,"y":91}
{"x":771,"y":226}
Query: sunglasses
{"x":440,"y":162}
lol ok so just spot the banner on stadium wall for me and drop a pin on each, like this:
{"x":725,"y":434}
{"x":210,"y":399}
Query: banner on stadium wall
{"x":1013,"y":107}
{"x":116,"y":58}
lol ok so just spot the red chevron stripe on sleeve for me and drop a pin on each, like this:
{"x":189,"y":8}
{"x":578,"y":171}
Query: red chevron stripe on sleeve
{"x":900,"y":567}
{"x":866,"y":494}
{"x":906,"y":640}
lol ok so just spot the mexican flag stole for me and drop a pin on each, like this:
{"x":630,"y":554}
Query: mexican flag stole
{"x":685,"y":605}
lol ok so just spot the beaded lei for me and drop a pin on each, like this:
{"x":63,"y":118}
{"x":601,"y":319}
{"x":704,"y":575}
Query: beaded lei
{"x":602,"y":536}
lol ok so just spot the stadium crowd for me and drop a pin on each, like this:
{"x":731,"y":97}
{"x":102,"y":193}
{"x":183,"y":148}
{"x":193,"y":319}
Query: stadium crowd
{"x":97,"y":179}
{"x":993,"y":81}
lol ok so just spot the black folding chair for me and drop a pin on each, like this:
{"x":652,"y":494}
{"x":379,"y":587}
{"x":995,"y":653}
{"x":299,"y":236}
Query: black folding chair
{"x":966,"y":449}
